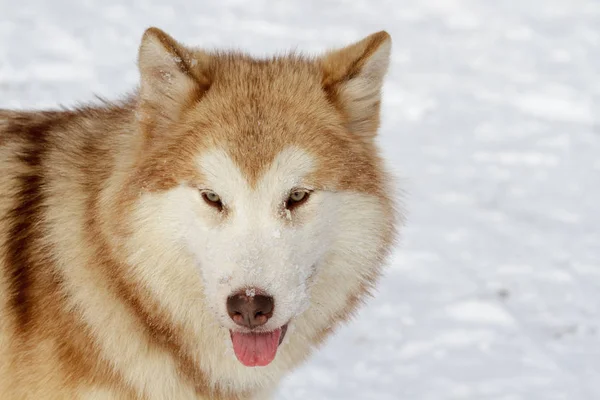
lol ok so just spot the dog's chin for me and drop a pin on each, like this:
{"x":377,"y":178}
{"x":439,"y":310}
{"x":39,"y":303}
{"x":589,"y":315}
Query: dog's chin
{"x":257,"y":349}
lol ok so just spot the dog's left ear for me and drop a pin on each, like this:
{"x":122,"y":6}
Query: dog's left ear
{"x":353,"y":77}
{"x":172,"y":79}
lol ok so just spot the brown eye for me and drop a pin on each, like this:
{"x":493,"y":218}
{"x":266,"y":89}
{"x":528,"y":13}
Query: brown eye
{"x":296,"y":198}
{"x":212,"y":199}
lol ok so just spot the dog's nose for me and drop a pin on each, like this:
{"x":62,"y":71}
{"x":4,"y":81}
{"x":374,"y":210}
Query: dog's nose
{"x":250,"y":311}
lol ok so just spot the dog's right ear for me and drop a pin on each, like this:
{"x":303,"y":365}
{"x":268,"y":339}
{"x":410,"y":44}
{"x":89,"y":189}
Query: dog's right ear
{"x":172,"y":78}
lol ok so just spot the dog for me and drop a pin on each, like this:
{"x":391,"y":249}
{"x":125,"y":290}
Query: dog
{"x":199,"y":238}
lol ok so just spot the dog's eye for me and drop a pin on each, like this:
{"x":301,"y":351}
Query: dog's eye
{"x":296,"y":198}
{"x":212,"y":199}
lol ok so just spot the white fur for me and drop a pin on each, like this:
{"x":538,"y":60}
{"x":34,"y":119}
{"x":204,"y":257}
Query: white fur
{"x":192,"y":258}
{"x":257,"y":245}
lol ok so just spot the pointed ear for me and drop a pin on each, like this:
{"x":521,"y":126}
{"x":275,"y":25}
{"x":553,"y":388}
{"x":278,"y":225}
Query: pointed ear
{"x":353,"y":77}
{"x":172,"y":78}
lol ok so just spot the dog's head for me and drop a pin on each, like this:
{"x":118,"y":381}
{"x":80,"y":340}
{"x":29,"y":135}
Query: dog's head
{"x":257,"y":189}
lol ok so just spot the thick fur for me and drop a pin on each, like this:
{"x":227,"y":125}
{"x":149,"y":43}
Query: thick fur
{"x":114,"y":271}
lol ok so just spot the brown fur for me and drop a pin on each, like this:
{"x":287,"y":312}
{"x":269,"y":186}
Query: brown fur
{"x":70,"y":178}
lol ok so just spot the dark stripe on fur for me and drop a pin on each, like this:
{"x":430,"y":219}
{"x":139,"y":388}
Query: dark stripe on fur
{"x":25,"y":217}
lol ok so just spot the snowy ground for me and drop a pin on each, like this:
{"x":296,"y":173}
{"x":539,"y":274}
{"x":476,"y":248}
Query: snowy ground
{"x":491,"y":117}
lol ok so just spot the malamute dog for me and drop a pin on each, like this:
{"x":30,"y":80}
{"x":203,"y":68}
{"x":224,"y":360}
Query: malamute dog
{"x":199,"y":239}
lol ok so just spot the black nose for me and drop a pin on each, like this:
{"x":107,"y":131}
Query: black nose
{"x":250,"y":311}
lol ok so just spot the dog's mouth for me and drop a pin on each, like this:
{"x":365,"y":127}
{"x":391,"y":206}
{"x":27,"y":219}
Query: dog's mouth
{"x":257,"y":349}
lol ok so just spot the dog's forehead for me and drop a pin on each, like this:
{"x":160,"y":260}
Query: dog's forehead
{"x":289,"y":168}
{"x":257,"y":112}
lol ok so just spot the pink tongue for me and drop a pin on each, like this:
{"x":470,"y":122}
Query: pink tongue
{"x":255,"y":349}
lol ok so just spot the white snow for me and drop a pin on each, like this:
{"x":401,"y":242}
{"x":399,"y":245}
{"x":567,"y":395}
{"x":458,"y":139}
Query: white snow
{"x":476,"y":311}
{"x":490,"y":117}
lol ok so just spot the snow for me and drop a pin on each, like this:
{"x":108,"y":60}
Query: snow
{"x":490,"y":120}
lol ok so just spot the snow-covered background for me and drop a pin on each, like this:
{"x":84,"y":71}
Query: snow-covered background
{"x":491,"y":118}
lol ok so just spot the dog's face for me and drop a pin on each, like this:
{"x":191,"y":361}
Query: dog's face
{"x":260,"y":237}
{"x":255,"y":176}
